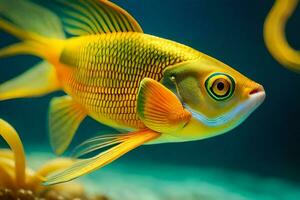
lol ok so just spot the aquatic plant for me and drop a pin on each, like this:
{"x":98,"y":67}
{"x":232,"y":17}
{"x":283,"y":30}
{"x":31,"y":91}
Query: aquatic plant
{"x":20,"y":182}
{"x":274,"y":34}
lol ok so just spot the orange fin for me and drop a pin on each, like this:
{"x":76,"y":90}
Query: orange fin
{"x":159,"y":108}
{"x":126,"y":142}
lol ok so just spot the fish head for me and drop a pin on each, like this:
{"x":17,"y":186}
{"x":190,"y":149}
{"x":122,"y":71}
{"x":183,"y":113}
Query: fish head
{"x":218,"y":97}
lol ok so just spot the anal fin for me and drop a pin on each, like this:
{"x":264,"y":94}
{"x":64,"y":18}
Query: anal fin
{"x":37,"y":81}
{"x":126,"y":142}
{"x":65,"y":116}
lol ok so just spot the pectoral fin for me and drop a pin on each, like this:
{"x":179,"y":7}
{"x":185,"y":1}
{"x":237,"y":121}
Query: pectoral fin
{"x":159,"y":108}
{"x":125,"y":143}
{"x":65,"y":116}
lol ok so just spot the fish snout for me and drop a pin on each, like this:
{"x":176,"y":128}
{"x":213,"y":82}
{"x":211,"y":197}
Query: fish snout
{"x":257,"y":93}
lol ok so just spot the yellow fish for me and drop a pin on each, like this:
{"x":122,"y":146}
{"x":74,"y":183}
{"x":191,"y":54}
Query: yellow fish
{"x":154,"y":89}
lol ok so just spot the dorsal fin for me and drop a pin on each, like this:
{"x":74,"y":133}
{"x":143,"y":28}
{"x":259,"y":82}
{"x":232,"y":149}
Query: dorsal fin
{"x":86,"y":17}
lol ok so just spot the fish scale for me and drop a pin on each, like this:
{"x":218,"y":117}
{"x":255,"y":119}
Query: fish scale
{"x":108,"y":68}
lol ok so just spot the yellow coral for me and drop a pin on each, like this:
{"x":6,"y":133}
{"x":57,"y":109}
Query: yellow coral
{"x":15,"y":176}
{"x":274,"y":34}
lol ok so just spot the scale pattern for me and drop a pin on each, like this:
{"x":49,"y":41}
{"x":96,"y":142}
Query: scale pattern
{"x":107,"y":69}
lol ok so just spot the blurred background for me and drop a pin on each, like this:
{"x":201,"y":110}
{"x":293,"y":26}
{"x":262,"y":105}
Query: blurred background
{"x":267,"y":144}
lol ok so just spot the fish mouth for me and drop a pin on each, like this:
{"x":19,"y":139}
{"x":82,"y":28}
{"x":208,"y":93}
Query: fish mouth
{"x":257,"y":96}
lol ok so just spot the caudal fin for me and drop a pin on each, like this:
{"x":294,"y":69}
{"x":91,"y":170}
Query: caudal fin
{"x":37,"y":28}
{"x":37,"y":81}
{"x":33,"y":24}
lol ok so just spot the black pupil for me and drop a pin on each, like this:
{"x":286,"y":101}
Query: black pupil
{"x":220,"y":86}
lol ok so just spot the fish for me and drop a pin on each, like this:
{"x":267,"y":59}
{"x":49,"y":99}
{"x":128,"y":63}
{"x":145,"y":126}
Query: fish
{"x":153,"y":90}
{"x":275,"y":36}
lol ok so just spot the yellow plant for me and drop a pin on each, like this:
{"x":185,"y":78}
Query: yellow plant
{"x":274,"y":34}
{"x":15,"y":176}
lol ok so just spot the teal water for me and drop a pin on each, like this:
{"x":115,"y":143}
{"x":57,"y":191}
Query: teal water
{"x":264,"y":150}
{"x":144,"y":180}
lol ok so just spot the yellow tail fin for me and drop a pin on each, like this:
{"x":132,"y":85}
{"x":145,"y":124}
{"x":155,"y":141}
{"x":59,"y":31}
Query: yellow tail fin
{"x":32,"y":43}
{"x":41,"y":34}
{"x":37,"y":81}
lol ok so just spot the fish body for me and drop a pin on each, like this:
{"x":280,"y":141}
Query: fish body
{"x":154,"y":89}
{"x":106,"y":71}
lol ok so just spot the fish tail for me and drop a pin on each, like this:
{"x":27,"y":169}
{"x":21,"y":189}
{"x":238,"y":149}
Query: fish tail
{"x":41,"y":34}
{"x":39,"y":29}
{"x":31,"y":43}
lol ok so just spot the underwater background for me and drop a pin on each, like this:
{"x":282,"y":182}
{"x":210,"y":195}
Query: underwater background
{"x":260,"y":159}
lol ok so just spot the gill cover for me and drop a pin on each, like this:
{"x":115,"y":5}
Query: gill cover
{"x":182,"y":79}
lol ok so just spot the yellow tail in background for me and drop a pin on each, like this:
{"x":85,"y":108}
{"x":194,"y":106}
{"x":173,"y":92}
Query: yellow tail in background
{"x":275,"y":37}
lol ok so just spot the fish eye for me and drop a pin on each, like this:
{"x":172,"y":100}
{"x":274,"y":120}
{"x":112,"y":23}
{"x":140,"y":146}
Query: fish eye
{"x":220,"y":86}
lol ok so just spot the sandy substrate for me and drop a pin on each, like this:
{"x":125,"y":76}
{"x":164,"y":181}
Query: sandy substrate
{"x":149,"y":181}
